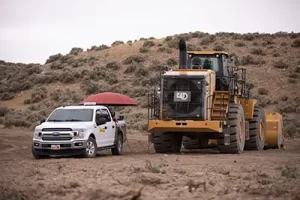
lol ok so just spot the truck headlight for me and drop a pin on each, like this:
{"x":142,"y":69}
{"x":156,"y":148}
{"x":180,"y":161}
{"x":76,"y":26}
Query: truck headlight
{"x":79,"y":133}
{"x":37,"y":134}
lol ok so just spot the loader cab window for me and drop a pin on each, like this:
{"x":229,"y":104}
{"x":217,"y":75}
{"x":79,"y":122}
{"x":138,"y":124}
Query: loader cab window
{"x":203,"y":62}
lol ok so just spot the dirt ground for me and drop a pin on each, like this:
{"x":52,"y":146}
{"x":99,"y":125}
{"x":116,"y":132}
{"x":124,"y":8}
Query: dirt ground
{"x":142,"y":174}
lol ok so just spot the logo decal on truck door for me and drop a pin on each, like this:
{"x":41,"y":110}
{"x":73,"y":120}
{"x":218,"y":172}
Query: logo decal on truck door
{"x":101,"y":130}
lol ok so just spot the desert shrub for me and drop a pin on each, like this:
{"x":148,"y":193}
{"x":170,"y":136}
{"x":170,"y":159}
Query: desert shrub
{"x":283,"y":44}
{"x":141,"y":72}
{"x":144,"y":49}
{"x":99,"y":48}
{"x":16,"y":118}
{"x":198,"y":34}
{"x":156,"y":65}
{"x":67,"y":77}
{"x":239,"y":44}
{"x":290,"y":80}
{"x":56,"y":66}
{"x":293,"y":75}
{"x":280,"y":64}
{"x":284,"y":98}
{"x":164,"y":49}
{"x":33,"y":69}
{"x":219,"y":48}
{"x":138,"y":91}
{"x":131,"y":68}
{"x":75,"y":51}
{"x":168,"y":38}
{"x":91,"y":87}
{"x":248,"y":37}
{"x":297,"y":70}
{"x":249,"y":60}
{"x":116,"y":43}
{"x":134,"y":58}
{"x":258,"y":51}
{"x":38,"y":94}
{"x":7,"y":96}
{"x":276,"y":54}
{"x":263,"y":91}
{"x":208,"y":40}
{"x":149,"y":43}
{"x":296,"y":43}
{"x":113,"y":65}
{"x":255,"y":43}
{"x":3,"y":111}
{"x":171,"y":62}
{"x":54,"y":58}
{"x":129,"y":42}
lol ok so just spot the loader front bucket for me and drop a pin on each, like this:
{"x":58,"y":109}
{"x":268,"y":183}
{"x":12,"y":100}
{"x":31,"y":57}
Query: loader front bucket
{"x":274,"y":135}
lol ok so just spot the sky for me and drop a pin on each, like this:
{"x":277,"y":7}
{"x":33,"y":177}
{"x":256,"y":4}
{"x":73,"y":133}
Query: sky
{"x":32,"y":30}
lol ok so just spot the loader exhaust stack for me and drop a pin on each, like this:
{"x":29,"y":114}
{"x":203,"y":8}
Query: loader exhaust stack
{"x":182,"y":54}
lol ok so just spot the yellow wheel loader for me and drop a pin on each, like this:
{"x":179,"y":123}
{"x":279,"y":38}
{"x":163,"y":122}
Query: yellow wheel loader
{"x":205,"y":103}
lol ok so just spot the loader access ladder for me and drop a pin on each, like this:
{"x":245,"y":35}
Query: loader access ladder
{"x":219,"y":107}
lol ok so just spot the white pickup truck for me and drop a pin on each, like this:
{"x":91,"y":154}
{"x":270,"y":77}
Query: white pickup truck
{"x":79,"y":130}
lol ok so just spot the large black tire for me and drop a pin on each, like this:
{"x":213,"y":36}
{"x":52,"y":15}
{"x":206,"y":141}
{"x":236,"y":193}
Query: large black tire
{"x":167,"y":142}
{"x":118,"y":149}
{"x":91,"y":149}
{"x":189,"y":143}
{"x":237,"y":132}
{"x":257,"y":130}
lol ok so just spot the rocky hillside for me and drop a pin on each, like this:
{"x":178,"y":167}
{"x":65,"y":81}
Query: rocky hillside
{"x":29,"y":92}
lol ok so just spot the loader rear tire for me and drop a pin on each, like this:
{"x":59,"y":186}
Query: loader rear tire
{"x":236,"y":121}
{"x":167,"y":142}
{"x":189,"y":143}
{"x":257,"y":130}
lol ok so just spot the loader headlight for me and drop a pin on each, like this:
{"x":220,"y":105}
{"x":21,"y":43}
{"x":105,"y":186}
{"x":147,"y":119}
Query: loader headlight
{"x":79,"y":133}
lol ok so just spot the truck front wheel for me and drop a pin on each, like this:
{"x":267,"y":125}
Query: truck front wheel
{"x":36,"y":155}
{"x":91,"y":148}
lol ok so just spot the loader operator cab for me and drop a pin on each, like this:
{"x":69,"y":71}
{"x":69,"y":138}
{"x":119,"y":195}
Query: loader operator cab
{"x":216,"y":61}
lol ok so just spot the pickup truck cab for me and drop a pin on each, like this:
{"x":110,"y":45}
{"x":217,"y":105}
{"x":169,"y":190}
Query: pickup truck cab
{"x":79,"y":130}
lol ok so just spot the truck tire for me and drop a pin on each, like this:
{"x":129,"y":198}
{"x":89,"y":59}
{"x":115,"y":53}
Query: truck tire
{"x":91,"y":148}
{"x":167,"y":142}
{"x":257,"y":130}
{"x":36,"y":155}
{"x":236,"y":121}
{"x":189,"y":143}
{"x":118,"y":149}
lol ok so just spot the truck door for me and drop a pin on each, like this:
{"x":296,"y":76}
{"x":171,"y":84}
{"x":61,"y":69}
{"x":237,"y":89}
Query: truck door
{"x":105,"y":132}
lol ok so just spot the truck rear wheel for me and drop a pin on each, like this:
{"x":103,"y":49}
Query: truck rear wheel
{"x":118,"y":149}
{"x":189,"y":143}
{"x":257,"y":130}
{"x":167,"y":142}
{"x":236,"y":121}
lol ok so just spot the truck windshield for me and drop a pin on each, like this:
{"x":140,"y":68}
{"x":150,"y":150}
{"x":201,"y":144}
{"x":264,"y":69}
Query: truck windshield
{"x":64,"y":115}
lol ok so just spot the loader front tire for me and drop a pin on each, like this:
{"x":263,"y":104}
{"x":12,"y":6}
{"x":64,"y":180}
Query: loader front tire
{"x":167,"y":142}
{"x":257,"y":130}
{"x":236,"y":121}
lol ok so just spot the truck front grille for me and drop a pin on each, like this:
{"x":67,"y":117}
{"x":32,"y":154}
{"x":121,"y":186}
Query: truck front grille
{"x":56,"y":136}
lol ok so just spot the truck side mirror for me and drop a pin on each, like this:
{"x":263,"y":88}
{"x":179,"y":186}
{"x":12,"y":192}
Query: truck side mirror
{"x":100,"y":121}
{"x":42,"y":121}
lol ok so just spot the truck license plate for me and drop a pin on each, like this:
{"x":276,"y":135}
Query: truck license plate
{"x":55,"y":147}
